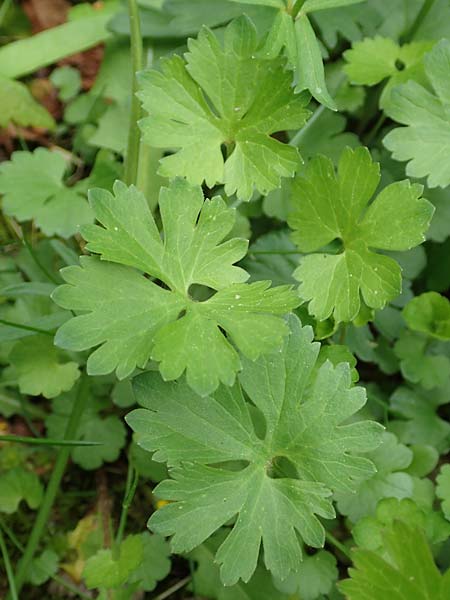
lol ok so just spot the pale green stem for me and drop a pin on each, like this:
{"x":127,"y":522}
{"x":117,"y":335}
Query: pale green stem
{"x":43,"y":514}
{"x":137,"y":63}
{"x":8,"y":568}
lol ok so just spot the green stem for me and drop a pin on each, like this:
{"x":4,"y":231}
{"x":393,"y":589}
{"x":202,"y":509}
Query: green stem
{"x":23,"y":439}
{"x":273,"y":252}
{"x":56,"y":578}
{"x":4,"y":10}
{"x":427,"y":6}
{"x":26,"y":327}
{"x":297,"y":8}
{"x":315,"y":117}
{"x":375,"y":129}
{"x":130,"y":489}
{"x":339,"y":545}
{"x":174,"y":588}
{"x":8,"y":568}
{"x":53,"y":484}
{"x":137,"y":62}
{"x":38,"y":262}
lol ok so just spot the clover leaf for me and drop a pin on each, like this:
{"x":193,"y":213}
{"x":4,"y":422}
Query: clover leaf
{"x":282,"y":473}
{"x":328,"y":207}
{"x":138,"y":319}
{"x":223,"y":96}
{"x":425,"y":141}
{"x":33,"y":188}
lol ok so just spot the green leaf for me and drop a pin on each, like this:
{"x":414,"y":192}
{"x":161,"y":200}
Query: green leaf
{"x":443,"y":489}
{"x":309,"y":70}
{"x":425,"y":141}
{"x":43,"y":567}
{"x":18,"y":106}
{"x":94,"y":426}
{"x":206,"y":577}
{"x":327,"y":207}
{"x":42,"y":369}
{"x":223,"y":96}
{"x":421,"y":424}
{"x":390,"y":459}
{"x":418,"y":363}
{"x":16,"y":485}
{"x":370,"y":61}
{"x":102,"y":570}
{"x":68,"y":82}
{"x":33,"y":188}
{"x":296,"y":36}
{"x":155,"y":564}
{"x":429,"y":313}
{"x":47,"y":47}
{"x":440,"y":224}
{"x":336,"y":354}
{"x":408,"y":572}
{"x":312,"y":5}
{"x":315,"y":576}
{"x":284,"y":478}
{"x":139,"y":320}
{"x":369,"y":531}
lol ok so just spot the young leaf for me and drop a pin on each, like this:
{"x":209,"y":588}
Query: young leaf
{"x":43,"y":567}
{"x":102,"y":570}
{"x":139,"y":320}
{"x":18,"y":106}
{"x":41,"y":368}
{"x":284,"y":479}
{"x":425,"y":141}
{"x":429,"y":313}
{"x":33,"y":188}
{"x":408,"y":571}
{"x":223,"y":96}
{"x":374,"y":59}
{"x":16,"y":485}
{"x":329,"y":207}
{"x":155,"y":564}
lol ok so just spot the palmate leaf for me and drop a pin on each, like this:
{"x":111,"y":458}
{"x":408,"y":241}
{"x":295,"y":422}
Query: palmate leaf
{"x":223,"y":96}
{"x":281,"y":481}
{"x":292,"y":31}
{"x":425,"y":141}
{"x":133,"y":319}
{"x":370,"y":61}
{"x":327,"y":207}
